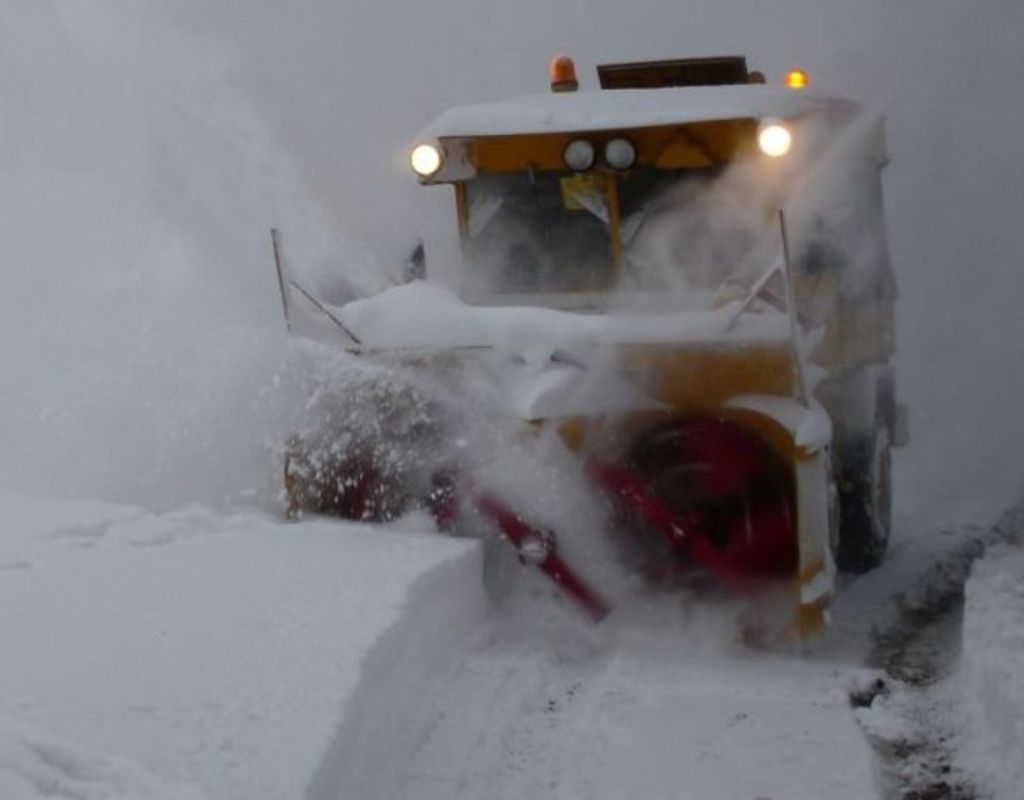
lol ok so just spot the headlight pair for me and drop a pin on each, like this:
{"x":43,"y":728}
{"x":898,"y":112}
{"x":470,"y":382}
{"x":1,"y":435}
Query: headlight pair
{"x":579,"y":155}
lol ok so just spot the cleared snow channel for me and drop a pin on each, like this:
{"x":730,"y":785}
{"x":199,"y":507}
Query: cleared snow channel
{"x":645,"y":709}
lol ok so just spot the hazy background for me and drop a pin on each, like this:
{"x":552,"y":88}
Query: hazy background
{"x":146,"y":148}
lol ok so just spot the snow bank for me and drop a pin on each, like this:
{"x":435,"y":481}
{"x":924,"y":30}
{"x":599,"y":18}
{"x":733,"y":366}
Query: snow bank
{"x":398,"y":672}
{"x":924,"y":570}
{"x":993,"y":686}
{"x":217,"y":652}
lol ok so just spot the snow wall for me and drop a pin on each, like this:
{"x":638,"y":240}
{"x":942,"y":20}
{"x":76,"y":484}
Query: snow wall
{"x":993,"y":687}
{"x":366,"y":757}
{"x":146,"y":150}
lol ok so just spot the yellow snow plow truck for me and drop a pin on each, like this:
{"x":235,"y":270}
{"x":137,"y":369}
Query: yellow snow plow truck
{"x":687,"y":275}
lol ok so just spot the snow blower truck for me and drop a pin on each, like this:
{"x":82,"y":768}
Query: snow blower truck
{"x":700,"y":261}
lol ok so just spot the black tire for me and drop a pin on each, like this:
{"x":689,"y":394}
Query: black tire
{"x":865,"y":502}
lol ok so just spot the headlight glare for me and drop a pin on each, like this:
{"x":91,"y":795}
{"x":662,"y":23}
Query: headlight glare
{"x":774,"y":138}
{"x":426,"y":160}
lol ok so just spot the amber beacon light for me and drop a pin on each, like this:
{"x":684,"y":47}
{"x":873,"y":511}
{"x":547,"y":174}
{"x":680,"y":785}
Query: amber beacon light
{"x":562,"y":72}
{"x":797,"y":79}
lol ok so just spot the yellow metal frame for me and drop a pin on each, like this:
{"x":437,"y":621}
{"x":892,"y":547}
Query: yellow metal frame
{"x":693,"y":146}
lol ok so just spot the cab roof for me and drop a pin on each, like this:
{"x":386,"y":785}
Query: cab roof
{"x":618,"y":109}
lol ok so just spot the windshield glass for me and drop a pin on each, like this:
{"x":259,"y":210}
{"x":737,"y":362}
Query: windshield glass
{"x":679,"y":234}
{"x":524,"y":236}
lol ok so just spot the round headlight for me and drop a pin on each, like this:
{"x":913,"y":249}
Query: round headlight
{"x":579,"y":155}
{"x":426,"y":160}
{"x":619,"y":154}
{"x":774,"y":138}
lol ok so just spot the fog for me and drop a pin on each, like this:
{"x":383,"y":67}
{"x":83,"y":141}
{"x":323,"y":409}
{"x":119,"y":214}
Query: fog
{"x":146,"y":149}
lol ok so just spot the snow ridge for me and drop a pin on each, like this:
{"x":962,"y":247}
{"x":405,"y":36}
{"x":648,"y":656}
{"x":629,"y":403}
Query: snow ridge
{"x":444,"y":606}
{"x":938,"y":661}
{"x":991,"y":682}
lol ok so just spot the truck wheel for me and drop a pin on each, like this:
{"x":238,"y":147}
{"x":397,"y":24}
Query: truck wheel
{"x":865,"y":502}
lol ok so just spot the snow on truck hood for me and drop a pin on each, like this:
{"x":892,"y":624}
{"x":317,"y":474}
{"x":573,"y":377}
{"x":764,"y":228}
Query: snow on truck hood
{"x":420,"y":315}
{"x":621,"y":108}
{"x":541,"y":363}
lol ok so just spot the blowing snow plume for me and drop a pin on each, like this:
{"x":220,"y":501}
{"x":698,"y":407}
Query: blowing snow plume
{"x":138,"y":193}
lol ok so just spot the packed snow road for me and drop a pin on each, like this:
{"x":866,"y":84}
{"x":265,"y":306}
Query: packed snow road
{"x":669,"y":713}
{"x":664,"y":701}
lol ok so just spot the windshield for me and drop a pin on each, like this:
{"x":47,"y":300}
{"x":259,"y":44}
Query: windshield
{"x":681,"y":233}
{"x":524,"y":236}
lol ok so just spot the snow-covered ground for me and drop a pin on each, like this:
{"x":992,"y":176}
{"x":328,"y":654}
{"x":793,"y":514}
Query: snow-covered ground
{"x":200,"y":655}
{"x":646,"y":708}
{"x":940,"y":699}
{"x":196,"y":654}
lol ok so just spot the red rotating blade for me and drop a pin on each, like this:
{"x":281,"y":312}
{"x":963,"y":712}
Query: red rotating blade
{"x":519,"y":532}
